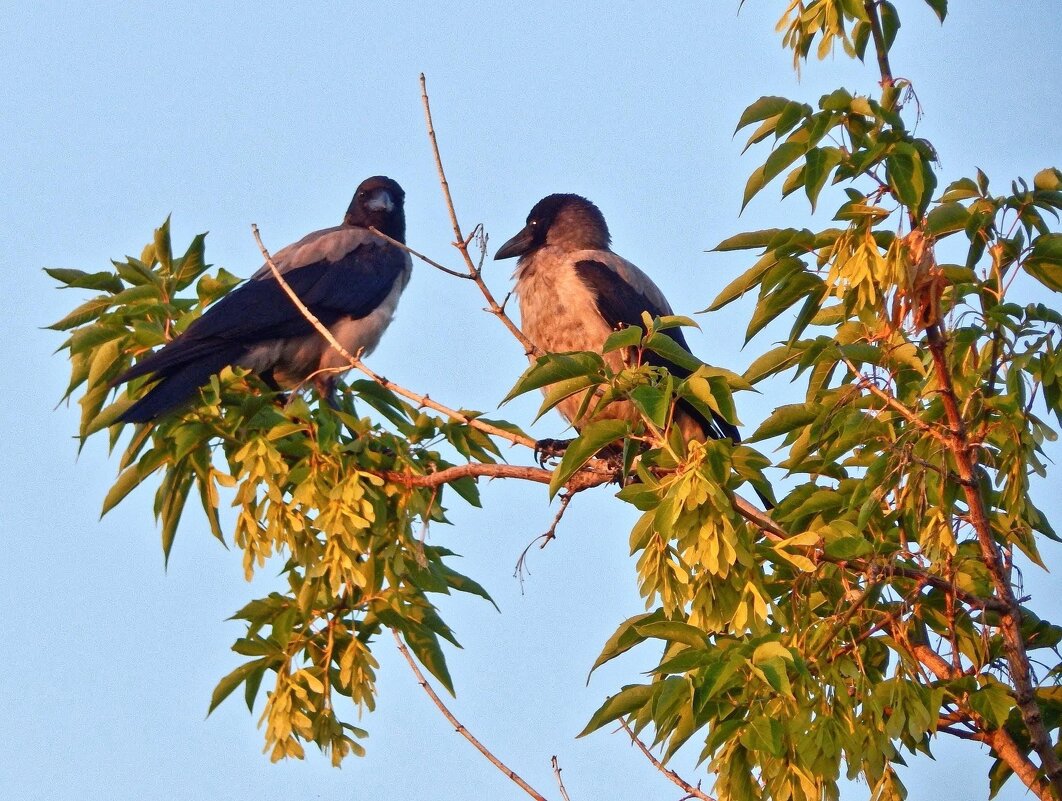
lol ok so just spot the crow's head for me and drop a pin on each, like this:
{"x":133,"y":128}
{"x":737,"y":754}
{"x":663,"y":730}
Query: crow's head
{"x":567,"y":221}
{"x":378,"y":203}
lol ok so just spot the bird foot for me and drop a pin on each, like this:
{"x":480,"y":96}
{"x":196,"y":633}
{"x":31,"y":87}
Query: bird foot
{"x":612,"y":455}
{"x":547,"y":449}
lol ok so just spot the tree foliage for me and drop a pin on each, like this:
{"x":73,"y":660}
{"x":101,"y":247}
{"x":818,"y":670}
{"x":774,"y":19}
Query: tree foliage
{"x":872,"y":610}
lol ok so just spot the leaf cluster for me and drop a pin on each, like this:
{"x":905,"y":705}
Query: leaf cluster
{"x":320,"y":488}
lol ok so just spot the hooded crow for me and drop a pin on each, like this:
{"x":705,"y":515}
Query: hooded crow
{"x":574,"y":292}
{"x":347,"y":276}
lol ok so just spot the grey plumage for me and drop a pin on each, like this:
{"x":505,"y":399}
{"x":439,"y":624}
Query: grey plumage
{"x":347,"y":276}
{"x":574,"y":291}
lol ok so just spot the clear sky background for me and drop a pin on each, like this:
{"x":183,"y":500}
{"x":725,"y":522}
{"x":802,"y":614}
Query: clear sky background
{"x":113,"y":115}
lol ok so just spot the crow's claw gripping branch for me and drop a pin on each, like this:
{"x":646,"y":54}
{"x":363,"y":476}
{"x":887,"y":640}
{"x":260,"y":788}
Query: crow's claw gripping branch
{"x":546,"y":449}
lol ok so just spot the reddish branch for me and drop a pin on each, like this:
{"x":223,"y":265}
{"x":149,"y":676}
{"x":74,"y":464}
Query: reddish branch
{"x":1001,"y":743}
{"x":1010,"y":615}
{"x":585,"y":479}
{"x":962,"y":449}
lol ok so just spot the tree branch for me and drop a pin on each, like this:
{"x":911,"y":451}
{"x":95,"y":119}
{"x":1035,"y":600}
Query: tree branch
{"x":356,"y":363}
{"x":461,"y":242}
{"x":459,"y":727}
{"x":692,"y":792}
{"x":1001,"y":743}
{"x":421,"y":256}
{"x":560,"y":782}
{"x":1010,"y":617}
{"x":588,"y":477}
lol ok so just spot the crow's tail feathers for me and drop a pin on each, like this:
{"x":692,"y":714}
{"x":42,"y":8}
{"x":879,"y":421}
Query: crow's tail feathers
{"x":768,"y":504}
{"x":179,"y":379}
{"x":718,"y":428}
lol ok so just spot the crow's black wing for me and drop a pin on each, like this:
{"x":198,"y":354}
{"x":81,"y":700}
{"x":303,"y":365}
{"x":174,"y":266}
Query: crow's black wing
{"x":352,"y":284}
{"x":621,"y":304}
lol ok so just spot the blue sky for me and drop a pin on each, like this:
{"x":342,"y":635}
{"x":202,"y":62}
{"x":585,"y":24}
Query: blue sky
{"x":117,"y":114}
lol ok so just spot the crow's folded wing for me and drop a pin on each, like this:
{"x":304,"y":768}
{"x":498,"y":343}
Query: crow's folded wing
{"x":620,"y":304}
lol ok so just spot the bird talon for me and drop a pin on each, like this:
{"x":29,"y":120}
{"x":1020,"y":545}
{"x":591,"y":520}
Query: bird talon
{"x":547,"y":449}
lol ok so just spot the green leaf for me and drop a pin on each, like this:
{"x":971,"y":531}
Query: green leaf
{"x":464,"y":584}
{"x":87,"y":311}
{"x":904,"y":172}
{"x":819,"y":163}
{"x":783,"y":155}
{"x":760,"y":110}
{"x":993,"y":702}
{"x":747,"y":241}
{"x":962,"y":189}
{"x":837,"y":100}
{"x":629,"y":337}
{"x":653,"y":402}
{"x":773,"y":361}
{"x":135,"y":272}
{"x":564,"y":389}
{"x":847,"y":547}
{"x":554,"y":367}
{"x":163,"y":250}
{"x":425,"y":646}
{"x":940,"y":8}
{"x":1045,"y":261}
{"x":580,"y":450}
{"x":785,"y":419}
{"x":713,"y":392}
{"x":763,"y":734}
{"x":808,"y":312}
{"x":673,"y":631}
{"x":81,"y":280}
{"x":946,"y":218}
{"x":235,"y":679}
{"x":129,"y":479}
{"x":626,"y":636}
{"x":742,"y":284}
{"x":175,"y":492}
{"x":665,"y":346}
{"x":623,"y":703}
{"x":669,"y":696}
{"x":192,"y":264}
{"x":1047,"y":273}
{"x":890,"y":23}
{"x":782,"y":298}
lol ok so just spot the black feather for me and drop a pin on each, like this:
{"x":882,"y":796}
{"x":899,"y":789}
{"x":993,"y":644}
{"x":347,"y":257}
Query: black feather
{"x":620,"y":304}
{"x":333,"y":286}
{"x":179,"y":383}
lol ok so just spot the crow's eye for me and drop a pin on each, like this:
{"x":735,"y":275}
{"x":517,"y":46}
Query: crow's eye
{"x":533,"y":223}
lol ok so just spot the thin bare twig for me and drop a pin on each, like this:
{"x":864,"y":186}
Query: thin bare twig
{"x":421,"y":256}
{"x":461,"y":242}
{"x":459,"y":727}
{"x":355,"y":362}
{"x":692,"y":791}
{"x":550,"y":534}
{"x":560,"y":782}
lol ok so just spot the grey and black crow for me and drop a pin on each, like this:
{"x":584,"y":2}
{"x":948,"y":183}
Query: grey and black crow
{"x":574,"y":292}
{"x":347,"y":276}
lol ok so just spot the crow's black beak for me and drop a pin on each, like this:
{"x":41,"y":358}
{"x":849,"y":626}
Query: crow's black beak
{"x":517,"y":246}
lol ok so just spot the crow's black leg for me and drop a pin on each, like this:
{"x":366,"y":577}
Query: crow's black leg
{"x":546,"y":449}
{"x":270,"y":381}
